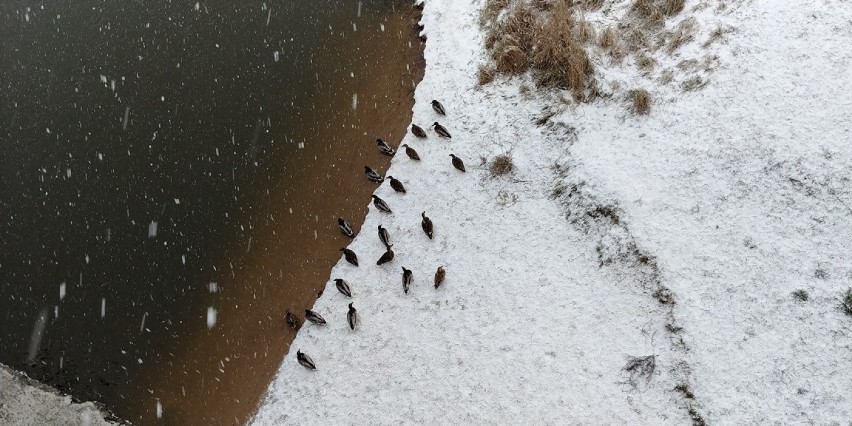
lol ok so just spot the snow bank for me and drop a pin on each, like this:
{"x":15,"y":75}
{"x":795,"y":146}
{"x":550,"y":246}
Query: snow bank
{"x":679,"y":235}
{"x":26,"y":402}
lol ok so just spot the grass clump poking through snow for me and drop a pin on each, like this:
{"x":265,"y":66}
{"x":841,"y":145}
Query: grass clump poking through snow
{"x":846,"y":302}
{"x":801,"y":295}
{"x":544,"y":38}
{"x":485,"y":74}
{"x":641,"y":101}
{"x":639,"y":368}
{"x":501,"y":165}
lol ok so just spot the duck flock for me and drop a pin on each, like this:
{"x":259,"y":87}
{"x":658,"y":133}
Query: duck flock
{"x":384,"y":235}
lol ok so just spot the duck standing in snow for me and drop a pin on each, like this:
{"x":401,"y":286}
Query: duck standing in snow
{"x":381,"y":204}
{"x":387,"y":257}
{"x":342,"y":287}
{"x":411,"y":153}
{"x":352,"y":317}
{"x":396,"y":184}
{"x":426,"y":224}
{"x":458,"y":163}
{"x":305,"y":360}
{"x":418,"y":131}
{"x":438,"y":107}
{"x":350,"y":256}
{"x":314,"y":317}
{"x":384,"y":236}
{"x":407,"y":279}
{"x":439,"y":276}
{"x":372,"y":175}
{"x":441,"y":130}
{"x":345,"y":227}
{"x":384,"y":147}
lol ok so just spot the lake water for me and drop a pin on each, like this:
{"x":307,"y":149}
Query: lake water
{"x":170,"y":181}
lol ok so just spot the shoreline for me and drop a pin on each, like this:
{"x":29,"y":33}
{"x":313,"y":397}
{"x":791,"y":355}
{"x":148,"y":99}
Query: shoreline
{"x":27,"y":401}
{"x":289,"y":257}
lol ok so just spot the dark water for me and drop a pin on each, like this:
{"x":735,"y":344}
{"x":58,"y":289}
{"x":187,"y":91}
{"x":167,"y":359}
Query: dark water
{"x":166,"y":159}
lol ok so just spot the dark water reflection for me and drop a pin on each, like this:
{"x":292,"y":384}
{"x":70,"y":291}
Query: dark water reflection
{"x":151,"y":148}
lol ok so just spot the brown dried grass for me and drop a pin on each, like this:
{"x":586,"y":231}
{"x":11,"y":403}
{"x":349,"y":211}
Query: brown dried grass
{"x":641,"y":101}
{"x":545,"y":38}
{"x":608,"y":39}
{"x":501,"y":165}
{"x":485,"y":74}
{"x":671,"y":7}
{"x":683,"y":33}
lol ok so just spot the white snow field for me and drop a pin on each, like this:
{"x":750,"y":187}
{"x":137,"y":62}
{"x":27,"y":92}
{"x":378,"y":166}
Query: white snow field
{"x":680,"y":234}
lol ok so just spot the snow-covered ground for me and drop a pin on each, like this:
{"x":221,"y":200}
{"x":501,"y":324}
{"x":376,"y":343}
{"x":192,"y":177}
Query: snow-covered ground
{"x":26,"y":402}
{"x":681,"y":234}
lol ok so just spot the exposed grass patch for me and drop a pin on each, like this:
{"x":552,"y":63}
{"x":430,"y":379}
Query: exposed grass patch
{"x":608,"y":39}
{"x":846,"y":302}
{"x":683,"y":33}
{"x":801,"y":295}
{"x":501,"y":165}
{"x":645,"y":62}
{"x":485,"y":74}
{"x":641,"y":100}
{"x":543,"y":37}
{"x":693,"y":83}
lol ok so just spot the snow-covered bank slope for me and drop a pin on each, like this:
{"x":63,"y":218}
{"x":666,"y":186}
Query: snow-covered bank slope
{"x":526,"y":326}
{"x":25,"y":402}
{"x":730,"y":198}
{"x":743,"y":192}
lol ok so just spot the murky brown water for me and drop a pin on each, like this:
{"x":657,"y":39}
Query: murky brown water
{"x":239,"y":174}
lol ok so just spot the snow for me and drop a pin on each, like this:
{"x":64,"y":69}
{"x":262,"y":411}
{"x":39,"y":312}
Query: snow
{"x":681,"y":235}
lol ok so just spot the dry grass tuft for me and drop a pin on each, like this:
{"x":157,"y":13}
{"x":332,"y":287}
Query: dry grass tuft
{"x":666,"y":76}
{"x":608,"y":39}
{"x":846,"y":302}
{"x":693,"y":83}
{"x":641,"y":101}
{"x":584,"y":31}
{"x":485,"y":74}
{"x":510,"y":59}
{"x":589,"y":5}
{"x":543,"y":37}
{"x":492,"y":10}
{"x":636,"y":40}
{"x":501,"y":165}
{"x":645,"y":62}
{"x":558,"y":59}
{"x":671,"y":7}
{"x":683,"y":33}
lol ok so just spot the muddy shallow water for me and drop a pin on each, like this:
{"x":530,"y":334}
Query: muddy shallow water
{"x":168,"y":161}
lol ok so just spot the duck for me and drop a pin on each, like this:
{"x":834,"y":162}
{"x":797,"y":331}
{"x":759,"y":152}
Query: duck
{"x":352,"y":317}
{"x":372,"y":175}
{"x":384,"y":147}
{"x":345,"y":227}
{"x":407,"y":279}
{"x":343,"y":287}
{"x":418,"y":131}
{"x":411,"y":153}
{"x":291,"y":320}
{"x":384,"y":236}
{"x":387,"y":257}
{"x":458,"y":163}
{"x":350,"y":256}
{"x":381,"y":204}
{"x":439,"y":276}
{"x":426,"y":223}
{"x":314,"y":317}
{"x":441,"y":130}
{"x":438,"y":107}
{"x":396,"y":184}
{"x":305,"y":360}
